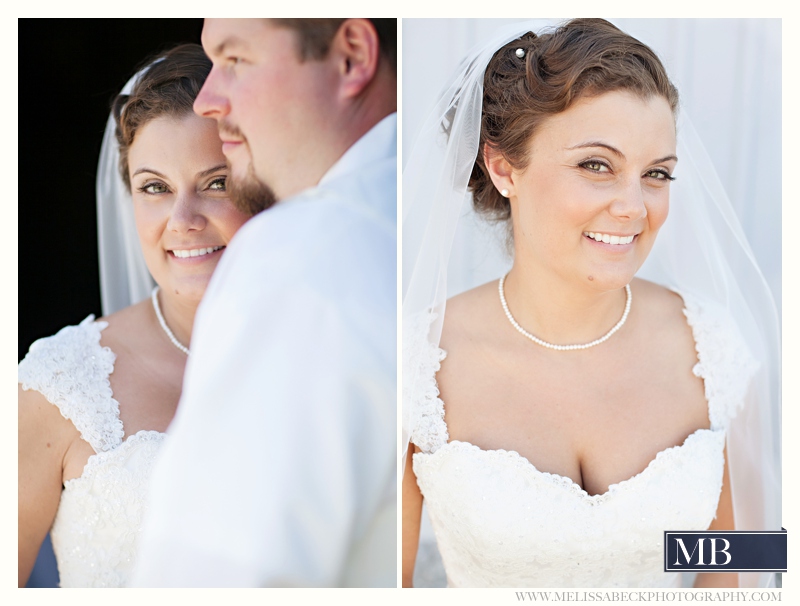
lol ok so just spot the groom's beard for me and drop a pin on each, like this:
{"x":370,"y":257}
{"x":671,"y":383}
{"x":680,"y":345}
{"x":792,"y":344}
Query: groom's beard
{"x":250,"y":195}
{"x":247,"y":193}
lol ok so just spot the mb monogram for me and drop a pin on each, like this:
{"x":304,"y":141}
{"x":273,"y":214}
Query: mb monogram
{"x":729,"y":551}
{"x":687,"y":556}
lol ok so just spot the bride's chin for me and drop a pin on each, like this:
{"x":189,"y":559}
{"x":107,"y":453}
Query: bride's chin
{"x":606,"y":281}
{"x":189,"y":290}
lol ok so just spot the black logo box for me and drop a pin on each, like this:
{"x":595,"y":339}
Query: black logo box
{"x":725,"y":551}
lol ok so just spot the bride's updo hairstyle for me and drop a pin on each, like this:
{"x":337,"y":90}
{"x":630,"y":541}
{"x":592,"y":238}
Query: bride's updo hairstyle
{"x":168,"y":88}
{"x":582,"y":58}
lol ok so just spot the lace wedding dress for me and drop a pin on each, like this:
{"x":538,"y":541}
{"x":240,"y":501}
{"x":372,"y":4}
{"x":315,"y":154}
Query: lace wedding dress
{"x":500,"y":522}
{"x":96,"y":529}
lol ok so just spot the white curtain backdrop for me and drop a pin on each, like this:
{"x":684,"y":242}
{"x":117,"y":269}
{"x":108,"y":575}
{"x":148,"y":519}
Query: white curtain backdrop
{"x":728,"y":73}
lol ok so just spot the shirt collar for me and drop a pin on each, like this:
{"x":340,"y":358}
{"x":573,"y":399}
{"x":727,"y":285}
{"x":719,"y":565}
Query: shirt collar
{"x":378,"y":143}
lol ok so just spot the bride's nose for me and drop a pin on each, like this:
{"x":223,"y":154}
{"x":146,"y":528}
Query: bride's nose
{"x":186,"y":213}
{"x":628,"y":202}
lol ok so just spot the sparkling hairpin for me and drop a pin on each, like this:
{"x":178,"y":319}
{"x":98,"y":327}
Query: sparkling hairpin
{"x":520,"y":53}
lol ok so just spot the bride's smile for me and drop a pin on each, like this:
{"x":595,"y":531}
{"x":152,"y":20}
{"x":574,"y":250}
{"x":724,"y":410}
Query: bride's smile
{"x":187,"y":253}
{"x":608,"y":239}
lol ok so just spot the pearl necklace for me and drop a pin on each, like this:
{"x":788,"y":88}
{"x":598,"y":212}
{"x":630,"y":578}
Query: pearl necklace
{"x":175,"y":342}
{"x":602,"y":339}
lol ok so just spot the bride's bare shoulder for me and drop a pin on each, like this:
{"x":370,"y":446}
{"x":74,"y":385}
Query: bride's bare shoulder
{"x":661,"y":303}
{"x":477,"y":297}
{"x":660,"y":315}
{"x":124,"y":327}
{"x":471,"y":312}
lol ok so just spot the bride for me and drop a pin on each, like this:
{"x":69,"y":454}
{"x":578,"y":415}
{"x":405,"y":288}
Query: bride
{"x":562,"y":417}
{"x":95,"y":399}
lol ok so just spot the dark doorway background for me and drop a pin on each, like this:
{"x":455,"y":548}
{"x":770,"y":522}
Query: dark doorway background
{"x":69,"y":71}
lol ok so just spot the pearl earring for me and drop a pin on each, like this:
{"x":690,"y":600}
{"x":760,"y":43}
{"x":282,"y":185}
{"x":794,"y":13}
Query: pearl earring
{"x":504,"y":193}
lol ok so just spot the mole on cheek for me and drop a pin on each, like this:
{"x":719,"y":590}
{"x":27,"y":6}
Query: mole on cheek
{"x":591,"y":278}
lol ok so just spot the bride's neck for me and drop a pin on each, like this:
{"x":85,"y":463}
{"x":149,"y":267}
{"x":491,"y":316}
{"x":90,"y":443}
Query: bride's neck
{"x":179,"y":315}
{"x":559,"y":311}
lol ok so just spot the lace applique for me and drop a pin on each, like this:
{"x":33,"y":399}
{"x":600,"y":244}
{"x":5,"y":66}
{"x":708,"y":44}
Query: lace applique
{"x":71,"y":370}
{"x":724,"y":361}
{"x":421,"y":361}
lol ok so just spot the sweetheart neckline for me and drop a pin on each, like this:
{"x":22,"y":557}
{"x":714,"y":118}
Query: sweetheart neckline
{"x":565,"y":481}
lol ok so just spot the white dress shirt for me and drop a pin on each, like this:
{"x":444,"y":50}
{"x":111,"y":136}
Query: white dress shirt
{"x":280,"y":466}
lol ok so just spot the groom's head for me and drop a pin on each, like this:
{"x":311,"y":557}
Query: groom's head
{"x":292,"y":95}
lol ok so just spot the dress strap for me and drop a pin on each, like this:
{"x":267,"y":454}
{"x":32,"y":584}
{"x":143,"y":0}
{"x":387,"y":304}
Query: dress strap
{"x":422,"y":405}
{"x":725,"y":363}
{"x":71,"y":370}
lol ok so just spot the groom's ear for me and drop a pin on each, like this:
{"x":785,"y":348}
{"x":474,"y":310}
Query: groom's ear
{"x":356,"y":50}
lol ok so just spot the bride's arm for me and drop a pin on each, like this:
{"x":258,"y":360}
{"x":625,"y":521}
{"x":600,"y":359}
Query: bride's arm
{"x":723,"y":521}
{"x":412,"y":514}
{"x":41,"y":449}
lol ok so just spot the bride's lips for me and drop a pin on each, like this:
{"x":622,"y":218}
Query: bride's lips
{"x":197,"y":254}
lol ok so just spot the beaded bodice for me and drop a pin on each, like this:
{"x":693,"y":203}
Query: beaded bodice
{"x":500,"y":522}
{"x":97,"y":525}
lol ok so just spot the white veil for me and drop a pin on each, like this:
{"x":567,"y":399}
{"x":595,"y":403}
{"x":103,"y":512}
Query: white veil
{"x":700,"y":250}
{"x":124,"y":277}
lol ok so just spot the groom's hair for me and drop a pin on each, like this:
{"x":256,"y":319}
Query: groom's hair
{"x":315,"y":36}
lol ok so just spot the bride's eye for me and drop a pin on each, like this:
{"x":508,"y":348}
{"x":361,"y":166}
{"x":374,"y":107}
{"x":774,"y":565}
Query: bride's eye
{"x":659,"y":174}
{"x":153,"y":188}
{"x":219,"y":184}
{"x":595,"y":166}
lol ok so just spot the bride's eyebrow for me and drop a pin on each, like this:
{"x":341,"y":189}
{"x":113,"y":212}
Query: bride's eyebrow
{"x":144,"y":169}
{"x":212,"y":170}
{"x":665,"y":159}
{"x":610,"y":148}
{"x":617,"y":152}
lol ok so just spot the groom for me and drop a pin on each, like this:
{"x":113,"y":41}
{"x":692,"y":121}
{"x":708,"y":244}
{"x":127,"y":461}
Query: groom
{"x":280,"y":465}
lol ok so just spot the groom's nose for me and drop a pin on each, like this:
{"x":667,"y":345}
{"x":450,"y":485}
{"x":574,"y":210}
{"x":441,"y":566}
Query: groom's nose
{"x":211,"y":102}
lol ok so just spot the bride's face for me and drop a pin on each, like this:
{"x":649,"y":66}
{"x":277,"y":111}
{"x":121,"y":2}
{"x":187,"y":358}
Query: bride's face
{"x":599,"y":170}
{"x":183,"y":214}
